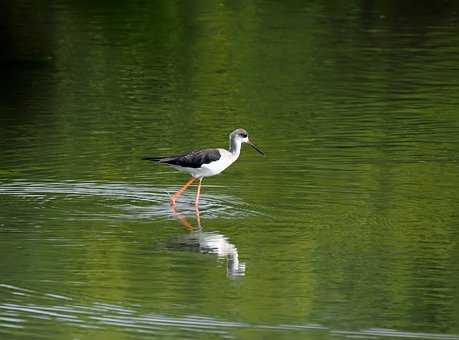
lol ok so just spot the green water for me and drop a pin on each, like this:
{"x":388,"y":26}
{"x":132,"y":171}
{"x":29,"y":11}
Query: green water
{"x":348,"y":228}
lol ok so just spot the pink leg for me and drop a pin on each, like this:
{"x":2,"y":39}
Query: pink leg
{"x":196,"y":203}
{"x":181,"y":191}
{"x":198,"y":193}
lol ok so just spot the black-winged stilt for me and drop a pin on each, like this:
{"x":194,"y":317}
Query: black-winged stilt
{"x":205,"y":163}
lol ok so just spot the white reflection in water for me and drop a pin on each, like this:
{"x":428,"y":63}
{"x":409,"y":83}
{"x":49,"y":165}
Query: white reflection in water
{"x":208,"y":243}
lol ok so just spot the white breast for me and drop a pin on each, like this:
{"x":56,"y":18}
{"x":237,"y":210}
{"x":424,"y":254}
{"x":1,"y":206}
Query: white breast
{"x":214,"y":168}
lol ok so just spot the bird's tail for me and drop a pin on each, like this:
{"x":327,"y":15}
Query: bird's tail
{"x":164,"y":159}
{"x":153,"y":159}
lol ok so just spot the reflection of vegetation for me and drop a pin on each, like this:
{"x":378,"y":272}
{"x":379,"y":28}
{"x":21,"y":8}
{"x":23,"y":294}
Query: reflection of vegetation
{"x":354,"y":101}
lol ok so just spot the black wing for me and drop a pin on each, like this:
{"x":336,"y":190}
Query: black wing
{"x":193,"y":159}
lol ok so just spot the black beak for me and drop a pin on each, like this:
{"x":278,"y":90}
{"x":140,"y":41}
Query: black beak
{"x":255,"y":147}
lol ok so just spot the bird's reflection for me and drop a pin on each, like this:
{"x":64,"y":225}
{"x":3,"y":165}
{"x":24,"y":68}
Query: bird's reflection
{"x":208,"y":243}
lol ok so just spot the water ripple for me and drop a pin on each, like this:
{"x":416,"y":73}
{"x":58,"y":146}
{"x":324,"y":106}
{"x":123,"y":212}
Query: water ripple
{"x":130,"y":201}
{"x":16,"y":316}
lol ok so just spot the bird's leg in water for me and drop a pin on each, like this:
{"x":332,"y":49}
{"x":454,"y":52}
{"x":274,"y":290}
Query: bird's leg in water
{"x":182,"y":219}
{"x":181,"y":191}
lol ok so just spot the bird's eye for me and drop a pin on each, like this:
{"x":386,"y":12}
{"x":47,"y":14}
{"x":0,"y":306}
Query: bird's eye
{"x":243,"y":135}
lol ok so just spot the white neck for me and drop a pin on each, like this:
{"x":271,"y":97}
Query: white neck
{"x":235,"y":146}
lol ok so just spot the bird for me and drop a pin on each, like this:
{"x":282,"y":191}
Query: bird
{"x":206,"y":162}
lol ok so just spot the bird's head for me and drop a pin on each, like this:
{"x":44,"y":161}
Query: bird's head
{"x":240,"y":136}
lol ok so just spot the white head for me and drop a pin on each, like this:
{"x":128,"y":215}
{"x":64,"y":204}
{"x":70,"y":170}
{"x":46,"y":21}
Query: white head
{"x":239,"y":136}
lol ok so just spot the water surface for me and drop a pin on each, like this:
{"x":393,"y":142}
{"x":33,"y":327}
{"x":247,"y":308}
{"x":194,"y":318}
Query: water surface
{"x":348,"y":228}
